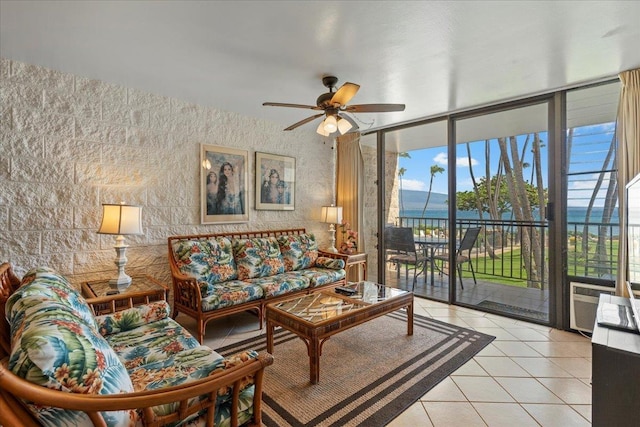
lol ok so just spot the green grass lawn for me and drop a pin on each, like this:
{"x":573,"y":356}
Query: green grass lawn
{"x":510,"y":264}
{"x":497,"y":270}
{"x":508,"y":269}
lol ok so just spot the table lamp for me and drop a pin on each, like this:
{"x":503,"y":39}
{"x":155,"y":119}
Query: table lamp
{"x":332,"y":215}
{"x":121,"y":220}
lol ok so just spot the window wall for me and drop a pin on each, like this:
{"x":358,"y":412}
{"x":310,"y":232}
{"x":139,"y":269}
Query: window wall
{"x":592,"y":196}
{"x":536,"y":176}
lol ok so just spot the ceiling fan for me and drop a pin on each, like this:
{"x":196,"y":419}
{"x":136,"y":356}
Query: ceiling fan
{"x":333,"y":105}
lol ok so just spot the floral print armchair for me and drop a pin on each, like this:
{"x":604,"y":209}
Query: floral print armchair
{"x":57,"y":343}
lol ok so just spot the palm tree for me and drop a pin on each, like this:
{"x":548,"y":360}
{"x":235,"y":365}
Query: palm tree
{"x":434,"y":170}
{"x":401,"y":173}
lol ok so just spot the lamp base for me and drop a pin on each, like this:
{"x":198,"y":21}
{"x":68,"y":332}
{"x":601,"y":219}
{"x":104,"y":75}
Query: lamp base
{"x":332,"y":248}
{"x":122,"y":281}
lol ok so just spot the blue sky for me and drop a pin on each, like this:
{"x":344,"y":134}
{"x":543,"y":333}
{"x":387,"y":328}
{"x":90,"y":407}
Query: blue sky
{"x":418,"y":167}
{"x":590,"y":145}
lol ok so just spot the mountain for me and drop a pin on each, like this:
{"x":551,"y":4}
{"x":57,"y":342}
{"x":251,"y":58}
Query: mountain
{"x":414,"y":200}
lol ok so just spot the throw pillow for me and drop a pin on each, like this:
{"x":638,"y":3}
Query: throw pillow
{"x":257,"y":257}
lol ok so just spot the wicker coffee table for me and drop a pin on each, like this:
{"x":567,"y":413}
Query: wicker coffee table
{"x":316,"y":317}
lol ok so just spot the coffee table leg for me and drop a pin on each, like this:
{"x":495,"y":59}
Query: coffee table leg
{"x":314,"y":360}
{"x":270,"y":328}
{"x":410,"y":319}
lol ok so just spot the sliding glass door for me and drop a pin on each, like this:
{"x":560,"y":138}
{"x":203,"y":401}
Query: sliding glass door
{"x":501,"y":193}
{"x":416,"y":161}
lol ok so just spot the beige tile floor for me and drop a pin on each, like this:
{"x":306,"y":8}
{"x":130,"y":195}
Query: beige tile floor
{"x":530,"y":375}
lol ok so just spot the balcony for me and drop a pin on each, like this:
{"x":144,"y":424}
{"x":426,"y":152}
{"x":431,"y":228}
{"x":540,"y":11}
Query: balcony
{"x":510,"y":260}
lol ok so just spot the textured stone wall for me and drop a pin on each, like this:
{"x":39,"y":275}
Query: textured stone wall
{"x":69,"y":144}
{"x":370,"y":226}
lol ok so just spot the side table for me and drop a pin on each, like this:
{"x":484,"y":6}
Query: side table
{"x":105,"y":299}
{"x":358,"y":259}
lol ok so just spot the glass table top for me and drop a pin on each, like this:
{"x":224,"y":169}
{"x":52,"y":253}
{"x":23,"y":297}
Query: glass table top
{"x":326,"y":305}
{"x":102,"y":288}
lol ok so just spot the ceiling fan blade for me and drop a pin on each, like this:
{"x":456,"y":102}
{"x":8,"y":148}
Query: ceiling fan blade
{"x":345,"y":93}
{"x":374,"y":108}
{"x":280,"y":104}
{"x":302,"y":122}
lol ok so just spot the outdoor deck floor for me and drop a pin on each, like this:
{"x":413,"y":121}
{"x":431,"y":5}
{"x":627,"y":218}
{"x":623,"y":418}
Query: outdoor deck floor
{"x":494,"y":297}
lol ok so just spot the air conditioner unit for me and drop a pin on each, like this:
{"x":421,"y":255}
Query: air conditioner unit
{"x":584,"y":303}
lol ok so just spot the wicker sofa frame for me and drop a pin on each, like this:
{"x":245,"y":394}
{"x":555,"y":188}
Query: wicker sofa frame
{"x":187,"y":298}
{"x":14,"y":388}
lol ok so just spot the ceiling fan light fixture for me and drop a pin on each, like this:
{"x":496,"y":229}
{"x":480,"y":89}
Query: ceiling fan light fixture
{"x":344,"y":126}
{"x":321,"y":130}
{"x":330,"y":124}
{"x":331,"y":104}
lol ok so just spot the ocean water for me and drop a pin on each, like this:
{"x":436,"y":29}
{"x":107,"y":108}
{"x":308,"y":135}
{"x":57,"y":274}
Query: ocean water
{"x":575,"y":215}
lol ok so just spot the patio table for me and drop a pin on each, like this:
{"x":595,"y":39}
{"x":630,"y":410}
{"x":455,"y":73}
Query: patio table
{"x":430,"y":245}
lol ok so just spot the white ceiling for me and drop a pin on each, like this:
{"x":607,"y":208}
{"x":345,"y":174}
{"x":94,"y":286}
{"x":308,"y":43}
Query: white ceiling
{"x":433,"y":56}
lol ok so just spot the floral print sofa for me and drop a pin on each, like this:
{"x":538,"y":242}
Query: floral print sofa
{"x":137,"y":360}
{"x":215,"y":275}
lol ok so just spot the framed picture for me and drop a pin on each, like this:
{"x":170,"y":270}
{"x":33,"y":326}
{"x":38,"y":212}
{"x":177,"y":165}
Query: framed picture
{"x":275,"y":182}
{"x":223,"y":185}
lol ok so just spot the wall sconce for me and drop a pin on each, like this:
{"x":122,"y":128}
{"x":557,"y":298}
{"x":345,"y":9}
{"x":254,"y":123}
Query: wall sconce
{"x":121,"y":220}
{"x":332,"y":215}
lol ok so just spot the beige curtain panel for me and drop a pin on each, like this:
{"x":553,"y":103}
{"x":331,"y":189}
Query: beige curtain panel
{"x":628,"y":136}
{"x":349,"y":186}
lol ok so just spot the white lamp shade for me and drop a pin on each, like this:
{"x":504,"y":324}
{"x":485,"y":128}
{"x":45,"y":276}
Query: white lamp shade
{"x":331,"y":214}
{"x":121,"y":220}
{"x":321,"y":130}
{"x":330,"y":124}
{"x":344,"y":126}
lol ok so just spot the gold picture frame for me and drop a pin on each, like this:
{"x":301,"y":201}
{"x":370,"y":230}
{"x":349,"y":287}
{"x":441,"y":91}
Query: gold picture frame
{"x":275,"y":182}
{"x":223,"y":185}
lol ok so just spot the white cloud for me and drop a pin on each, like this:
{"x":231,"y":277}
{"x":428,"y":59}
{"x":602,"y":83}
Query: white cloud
{"x":580,"y":190}
{"x":413,"y":184}
{"x":441,"y":158}
{"x":464,"y":161}
{"x":586,"y":182}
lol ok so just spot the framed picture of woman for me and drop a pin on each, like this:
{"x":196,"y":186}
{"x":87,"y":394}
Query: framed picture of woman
{"x":275,"y":182}
{"x":223,"y":185}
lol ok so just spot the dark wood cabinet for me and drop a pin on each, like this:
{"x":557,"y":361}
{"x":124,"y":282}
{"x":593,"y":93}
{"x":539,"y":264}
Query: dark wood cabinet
{"x":615,"y":378}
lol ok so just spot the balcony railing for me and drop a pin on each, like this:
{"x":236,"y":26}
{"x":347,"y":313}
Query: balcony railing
{"x":592,"y":250}
{"x":516,"y":252}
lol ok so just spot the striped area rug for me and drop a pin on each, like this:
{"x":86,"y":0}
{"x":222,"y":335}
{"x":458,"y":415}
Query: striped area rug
{"x":369,"y":374}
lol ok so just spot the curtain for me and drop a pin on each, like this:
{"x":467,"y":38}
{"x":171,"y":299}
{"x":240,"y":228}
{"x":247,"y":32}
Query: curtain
{"x":628,"y":136}
{"x":349,"y":188}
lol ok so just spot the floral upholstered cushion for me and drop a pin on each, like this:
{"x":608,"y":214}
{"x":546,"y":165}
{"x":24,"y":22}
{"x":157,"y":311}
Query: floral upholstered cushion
{"x":257,"y":257}
{"x":332,"y":263}
{"x":132,"y":318}
{"x":48,"y":284}
{"x":319,"y":276}
{"x":55,"y":348}
{"x":191,"y":365}
{"x":209,"y":260}
{"x":228,"y":293}
{"x":152,"y":342}
{"x":299,"y":251}
{"x":282,"y":283}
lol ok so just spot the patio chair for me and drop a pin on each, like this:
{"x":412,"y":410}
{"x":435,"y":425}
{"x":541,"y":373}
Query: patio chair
{"x":401,"y":250}
{"x":463,"y":253}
